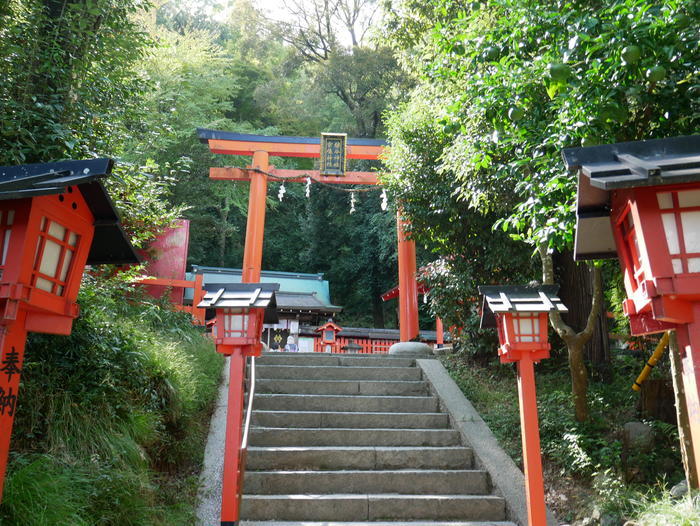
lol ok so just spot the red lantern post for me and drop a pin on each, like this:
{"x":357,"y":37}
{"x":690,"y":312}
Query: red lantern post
{"x":241,"y":309}
{"x":521,"y":316}
{"x":54,"y":218}
{"x":640,"y":201}
{"x":329,"y":335}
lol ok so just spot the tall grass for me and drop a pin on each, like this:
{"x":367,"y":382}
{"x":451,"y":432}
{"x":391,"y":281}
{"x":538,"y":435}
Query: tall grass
{"x":663,"y":510}
{"x":112,"y":419}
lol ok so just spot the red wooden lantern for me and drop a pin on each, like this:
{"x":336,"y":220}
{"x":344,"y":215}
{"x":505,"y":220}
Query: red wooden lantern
{"x":54,"y":218}
{"x":521,"y":316}
{"x":640,"y":201}
{"x":329,"y":332}
{"x":329,"y":335}
{"x":241,"y":309}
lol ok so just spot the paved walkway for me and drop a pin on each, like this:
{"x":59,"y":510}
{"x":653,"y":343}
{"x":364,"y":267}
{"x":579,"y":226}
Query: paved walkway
{"x":209,"y":495}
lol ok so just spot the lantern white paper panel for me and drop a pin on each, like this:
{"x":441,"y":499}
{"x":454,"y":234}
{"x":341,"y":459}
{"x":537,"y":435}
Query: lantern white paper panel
{"x":691,"y":230}
{"x":688,"y":198}
{"x":671,"y":231}
{"x":665,"y":200}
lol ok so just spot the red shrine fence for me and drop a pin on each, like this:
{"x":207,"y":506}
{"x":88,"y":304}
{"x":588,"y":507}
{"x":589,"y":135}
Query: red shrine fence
{"x":350,"y":345}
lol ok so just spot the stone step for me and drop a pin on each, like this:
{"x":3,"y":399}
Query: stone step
{"x":315,"y":359}
{"x":405,"y":481}
{"x":366,"y":404}
{"x":325,"y":419}
{"x":358,"y":457}
{"x":323,"y":372}
{"x":344,"y":387}
{"x":353,"y":507}
{"x":375,"y":523}
{"x":281,"y":436}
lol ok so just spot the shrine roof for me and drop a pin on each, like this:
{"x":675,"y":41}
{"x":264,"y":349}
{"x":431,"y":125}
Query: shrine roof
{"x":110,"y":245}
{"x":305,"y":301}
{"x":290,"y":282}
{"x":654,"y":162}
{"x":515,"y":298}
{"x":207,"y":134}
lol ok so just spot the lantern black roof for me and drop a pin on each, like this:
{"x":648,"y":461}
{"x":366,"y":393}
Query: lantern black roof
{"x":110,"y":244}
{"x":517,"y":298}
{"x":654,"y":162}
{"x":242,"y":296}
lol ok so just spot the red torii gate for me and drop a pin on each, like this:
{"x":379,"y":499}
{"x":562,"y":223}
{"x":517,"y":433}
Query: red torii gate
{"x":261,"y":147}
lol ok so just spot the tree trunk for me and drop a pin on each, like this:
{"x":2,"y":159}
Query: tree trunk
{"x":377,"y":309}
{"x":223,"y":230}
{"x":575,"y":341}
{"x":579,"y":380}
{"x":577,"y":294}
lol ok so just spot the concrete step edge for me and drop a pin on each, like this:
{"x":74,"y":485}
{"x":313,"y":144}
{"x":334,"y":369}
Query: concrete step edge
{"x":336,"y":396}
{"x":383,"y":523}
{"x":406,"y":472}
{"x":357,"y":496}
{"x":359,"y":429}
{"x":373,"y":413}
{"x":355,"y":448}
{"x":363,"y":367}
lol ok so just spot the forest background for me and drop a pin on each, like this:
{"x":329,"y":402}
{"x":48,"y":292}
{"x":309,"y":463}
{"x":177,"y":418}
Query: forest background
{"x":477,"y":99}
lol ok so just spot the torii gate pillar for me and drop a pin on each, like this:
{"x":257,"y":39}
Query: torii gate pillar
{"x":255,"y":229}
{"x":408,"y":286}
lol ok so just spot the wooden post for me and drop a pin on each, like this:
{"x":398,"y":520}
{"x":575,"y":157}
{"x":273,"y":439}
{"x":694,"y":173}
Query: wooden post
{"x":689,"y":463}
{"x":13,"y":338}
{"x":440,"y":336}
{"x":408,"y":287}
{"x":230,"y":494}
{"x":197,"y":297}
{"x":532,"y":460}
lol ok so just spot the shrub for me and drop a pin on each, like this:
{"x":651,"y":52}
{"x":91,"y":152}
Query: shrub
{"x":127,"y":394}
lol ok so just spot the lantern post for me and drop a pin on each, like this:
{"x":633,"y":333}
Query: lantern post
{"x":329,"y":335}
{"x":521,"y":316}
{"x":640,"y":202}
{"x":241,"y":310}
{"x":54,"y":219}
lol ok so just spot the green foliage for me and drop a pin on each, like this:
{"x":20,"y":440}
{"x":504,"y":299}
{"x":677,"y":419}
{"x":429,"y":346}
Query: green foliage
{"x":141,"y":194}
{"x":127,"y":393}
{"x":560,"y":62}
{"x":586,"y":450}
{"x":582,"y":459}
{"x":45,"y":493}
{"x":471,"y":254}
{"x":68,"y":78}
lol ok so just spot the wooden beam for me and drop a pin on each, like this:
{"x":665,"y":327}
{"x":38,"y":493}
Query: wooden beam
{"x":166,"y":282}
{"x":287,"y":149}
{"x":295,"y":176}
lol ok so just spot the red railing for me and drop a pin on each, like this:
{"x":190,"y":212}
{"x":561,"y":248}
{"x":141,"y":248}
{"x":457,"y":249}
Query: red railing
{"x":345,"y":345}
{"x":237,"y":430}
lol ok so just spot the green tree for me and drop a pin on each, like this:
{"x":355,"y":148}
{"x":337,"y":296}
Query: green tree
{"x":518,"y":80}
{"x":68,"y":77}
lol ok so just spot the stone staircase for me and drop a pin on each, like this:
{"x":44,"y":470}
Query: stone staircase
{"x":358,"y":440}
